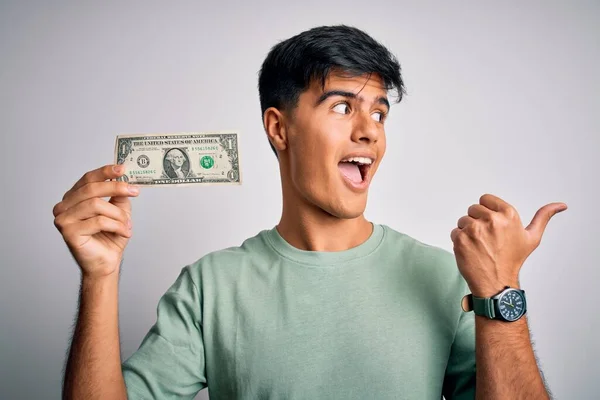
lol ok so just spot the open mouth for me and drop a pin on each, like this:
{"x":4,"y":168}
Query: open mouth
{"x":355,"y":169}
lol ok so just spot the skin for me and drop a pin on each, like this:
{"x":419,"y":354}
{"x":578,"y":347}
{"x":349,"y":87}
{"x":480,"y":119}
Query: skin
{"x":96,"y":232}
{"x":490,"y":246}
{"x":320,"y":213}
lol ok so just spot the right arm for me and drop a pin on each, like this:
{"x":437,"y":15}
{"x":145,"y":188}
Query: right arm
{"x":93,"y":369}
{"x":96,"y":232}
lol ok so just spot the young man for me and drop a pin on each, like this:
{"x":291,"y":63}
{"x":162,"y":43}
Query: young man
{"x":326,"y":305}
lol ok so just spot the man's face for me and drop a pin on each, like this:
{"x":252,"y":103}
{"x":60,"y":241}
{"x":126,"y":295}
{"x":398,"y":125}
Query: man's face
{"x":176,"y":158}
{"x":342,"y":121}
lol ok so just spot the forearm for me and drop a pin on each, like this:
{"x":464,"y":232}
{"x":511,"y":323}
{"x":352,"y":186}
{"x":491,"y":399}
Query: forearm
{"x":506,"y":364}
{"x":93,"y":368}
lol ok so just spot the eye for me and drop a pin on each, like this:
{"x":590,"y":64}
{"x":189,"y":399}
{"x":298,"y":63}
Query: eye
{"x":339,"y":108}
{"x":378,"y":116}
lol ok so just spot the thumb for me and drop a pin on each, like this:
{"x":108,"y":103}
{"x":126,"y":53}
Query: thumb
{"x":541,"y":218}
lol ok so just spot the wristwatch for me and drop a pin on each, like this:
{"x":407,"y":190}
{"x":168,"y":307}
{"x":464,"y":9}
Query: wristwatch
{"x":509,"y":305}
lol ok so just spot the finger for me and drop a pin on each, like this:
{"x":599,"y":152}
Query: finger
{"x":478,"y":211}
{"x":541,"y":219}
{"x":94,"y":225}
{"x":91,"y":208}
{"x":111,"y":171}
{"x":454,"y":234}
{"x":494,"y":203}
{"x":465,"y":221}
{"x":122,"y":202}
{"x":95,"y":189}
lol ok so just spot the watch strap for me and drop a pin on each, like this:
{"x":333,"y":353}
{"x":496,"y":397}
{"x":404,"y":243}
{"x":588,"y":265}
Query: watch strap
{"x":483,"y":306}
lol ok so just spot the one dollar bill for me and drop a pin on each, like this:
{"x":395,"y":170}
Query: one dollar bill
{"x":194,"y":158}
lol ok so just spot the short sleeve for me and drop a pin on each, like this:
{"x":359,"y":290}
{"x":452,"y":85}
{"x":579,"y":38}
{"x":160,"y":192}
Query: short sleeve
{"x":170,"y":361}
{"x":459,"y":381}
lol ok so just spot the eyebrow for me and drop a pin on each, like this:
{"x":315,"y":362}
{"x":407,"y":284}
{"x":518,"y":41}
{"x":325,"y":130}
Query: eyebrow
{"x":326,"y":95}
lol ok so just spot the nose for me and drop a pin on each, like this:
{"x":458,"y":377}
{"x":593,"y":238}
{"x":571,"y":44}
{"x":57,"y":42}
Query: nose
{"x":365,"y":129}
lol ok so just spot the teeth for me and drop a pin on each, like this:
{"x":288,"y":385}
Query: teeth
{"x":360,"y":160}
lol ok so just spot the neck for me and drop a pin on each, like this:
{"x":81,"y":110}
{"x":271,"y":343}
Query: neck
{"x":307,"y":227}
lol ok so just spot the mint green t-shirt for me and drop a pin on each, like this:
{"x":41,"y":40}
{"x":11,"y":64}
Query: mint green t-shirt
{"x":269,"y":321}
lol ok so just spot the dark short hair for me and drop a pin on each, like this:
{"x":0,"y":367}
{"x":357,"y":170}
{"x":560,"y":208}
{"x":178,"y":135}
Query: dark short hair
{"x":293,"y":64}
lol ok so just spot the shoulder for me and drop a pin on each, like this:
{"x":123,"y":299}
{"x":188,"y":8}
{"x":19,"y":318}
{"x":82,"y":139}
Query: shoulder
{"x":418,"y":249}
{"x":428,"y":264}
{"x":229,"y":260}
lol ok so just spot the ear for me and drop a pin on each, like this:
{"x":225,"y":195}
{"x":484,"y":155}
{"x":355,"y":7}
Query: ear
{"x":274,"y":124}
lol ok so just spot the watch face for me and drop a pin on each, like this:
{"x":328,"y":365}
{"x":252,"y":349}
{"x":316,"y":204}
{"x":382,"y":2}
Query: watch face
{"x":512,"y":305}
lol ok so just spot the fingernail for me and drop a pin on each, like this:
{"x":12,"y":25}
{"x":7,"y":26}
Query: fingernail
{"x":129,"y":224}
{"x":133,"y":190}
{"x":118,"y":169}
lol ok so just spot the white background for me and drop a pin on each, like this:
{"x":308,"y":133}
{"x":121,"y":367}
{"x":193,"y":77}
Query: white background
{"x":502,"y":98}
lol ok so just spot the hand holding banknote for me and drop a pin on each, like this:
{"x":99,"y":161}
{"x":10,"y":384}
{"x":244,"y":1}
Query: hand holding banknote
{"x":96,"y":231}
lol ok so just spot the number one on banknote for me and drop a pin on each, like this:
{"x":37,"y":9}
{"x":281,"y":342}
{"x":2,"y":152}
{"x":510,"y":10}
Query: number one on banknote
{"x":196,"y":158}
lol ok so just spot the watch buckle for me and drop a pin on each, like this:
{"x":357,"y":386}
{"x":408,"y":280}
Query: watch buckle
{"x":467,"y":303}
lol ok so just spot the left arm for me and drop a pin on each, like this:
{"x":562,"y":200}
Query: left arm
{"x":506,"y":364}
{"x":491,"y":245}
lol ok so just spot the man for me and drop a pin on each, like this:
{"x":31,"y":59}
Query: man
{"x":176,"y":165}
{"x":326,"y":305}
